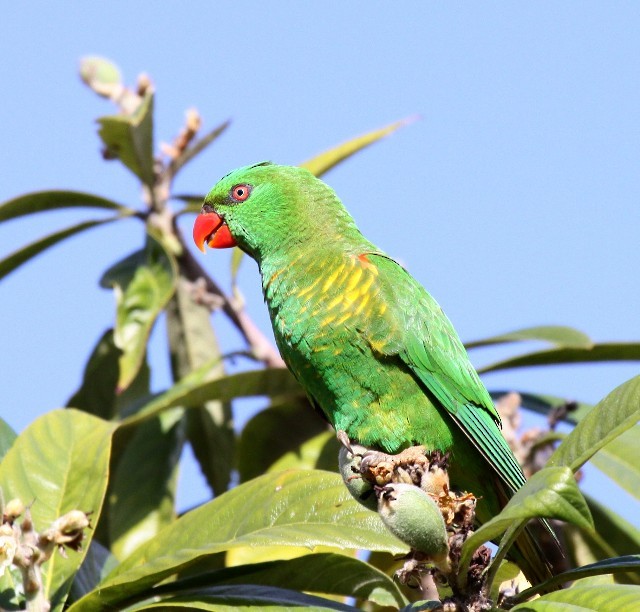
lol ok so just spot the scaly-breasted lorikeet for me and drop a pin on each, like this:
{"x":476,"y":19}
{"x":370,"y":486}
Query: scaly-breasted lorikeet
{"x":372,"y":349}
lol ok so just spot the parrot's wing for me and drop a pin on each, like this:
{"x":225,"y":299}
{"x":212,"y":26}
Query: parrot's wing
{"x":415,"y":328}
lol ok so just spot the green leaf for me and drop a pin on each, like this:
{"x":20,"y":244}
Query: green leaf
{"x":97,"y":563}
{"x":550,"y":493}
{"x":559,"y":335}
{"x":621,"y":537}
{"x":628,"y":563}
{"x":246,"y":597}
{"x":612,"y":416}
{"x":142,"y":491}
{"x":43,"y":201}
{"x":17,"y":258}
{"x":322,"y":163}
{"x":612,"y":351}
{"x":320,"y":453}
{"x":143,"y":284}
{"x":195,"y":389}
{"x":594,"y":598}
{"x":620,"y":460}
{"x":97,"y":393}
{"x":7,"y":438}
{"x":130,"y":139}
{"x":301,"y":508}
{"x":275,"y":431}
{"x":60,"y":463}
{"x":193,"y":343}
{"x":328,"y":573}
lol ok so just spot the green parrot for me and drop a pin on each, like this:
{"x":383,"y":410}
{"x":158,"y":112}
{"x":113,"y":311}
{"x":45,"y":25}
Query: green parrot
{"x":372,"y":349}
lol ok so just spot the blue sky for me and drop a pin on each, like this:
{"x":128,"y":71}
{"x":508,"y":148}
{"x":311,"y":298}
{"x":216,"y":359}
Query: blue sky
{"x":514,"y":199}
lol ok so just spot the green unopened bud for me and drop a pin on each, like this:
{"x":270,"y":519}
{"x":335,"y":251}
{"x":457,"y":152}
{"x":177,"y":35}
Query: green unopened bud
{"x":13,"y":510}
{"x":101,"y":75}
{"x":359,"y":487}
{"x":411,"y":515}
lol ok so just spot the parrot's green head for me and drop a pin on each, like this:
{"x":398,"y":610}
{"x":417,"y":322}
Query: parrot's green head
{"x":266,"y":208}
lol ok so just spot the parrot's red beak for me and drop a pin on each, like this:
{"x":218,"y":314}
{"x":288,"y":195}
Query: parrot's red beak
{"x":209,"y":228}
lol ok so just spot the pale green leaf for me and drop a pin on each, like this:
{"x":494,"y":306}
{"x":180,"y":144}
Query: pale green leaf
{"x":143,"y":284}
{"x":611,"y":351}
{"x":297,"y":508}
{"x":43,"y":201}
{"x":143,"y":488}
{"x":559,"y":335}
{"x":7,"y":438}
{"x":327,"y":573}
{"x":319,"y":452}
{"x":275,"y":431}
{"x":130,"y":139}
{"x":193,"y":343}
{"x":247,"y":597}
{"x":58,"y":464}
{"x":17,"y":258}
{"x":626,"y":564}
{"x":195,"y":389}
{"x":592,"y":598}
{"x":326,"y":160}
{"x":620,"y":460}
{"x":550,"y":493}
{"x":611,"y":417}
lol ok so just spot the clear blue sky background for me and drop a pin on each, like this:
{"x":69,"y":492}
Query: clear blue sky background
{"x":515,"y":199}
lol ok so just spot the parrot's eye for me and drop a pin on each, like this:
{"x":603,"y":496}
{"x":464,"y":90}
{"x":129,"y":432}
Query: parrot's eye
{"x":240,"y":193}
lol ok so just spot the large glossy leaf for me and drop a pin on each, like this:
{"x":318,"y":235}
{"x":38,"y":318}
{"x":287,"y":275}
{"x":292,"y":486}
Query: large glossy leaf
{"x":60,"y":463}
{"x":626,"y":564}
{"x":143,"y":488}
{"x":611,"y":417}
{"x":195,"y":389}
{"x":43,"y":201}
{"x":559,"y":335}
{"x":143,"y":284}
{"x":612,"y":536}
{"x":97,"y":393}
{"x":319,"y":453}
{"x":611,"y":351}
{"x":7,"y":438}
{"x":327,"y":573}
{"x":192,"y":343}
{"x":246,"y":597}
{"x":593,"y":598}
{"x":621,"y":537}
{"x":17,"y":258}
{"x":275,"y":431}
{"x":549,"y":493}
{"x":323,"y":162}
{"x":620,"y":460}
{"x":297,"y":508}
{"x":130,"y":139}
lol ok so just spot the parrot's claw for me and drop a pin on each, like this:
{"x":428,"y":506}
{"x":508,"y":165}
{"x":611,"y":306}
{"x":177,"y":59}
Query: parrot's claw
{"x":343,"y":438}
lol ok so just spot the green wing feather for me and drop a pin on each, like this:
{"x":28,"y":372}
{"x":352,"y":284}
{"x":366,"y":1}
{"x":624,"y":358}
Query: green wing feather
{"x":429,"y":345}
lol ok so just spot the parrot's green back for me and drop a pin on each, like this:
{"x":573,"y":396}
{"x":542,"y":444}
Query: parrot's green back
{"x":371,"y":347}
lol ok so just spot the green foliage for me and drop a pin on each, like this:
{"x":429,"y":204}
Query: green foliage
{"x":285,"y":536}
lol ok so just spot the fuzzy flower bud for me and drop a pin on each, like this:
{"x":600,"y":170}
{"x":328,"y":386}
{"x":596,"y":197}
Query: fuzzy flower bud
{"x":411,"y":515}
